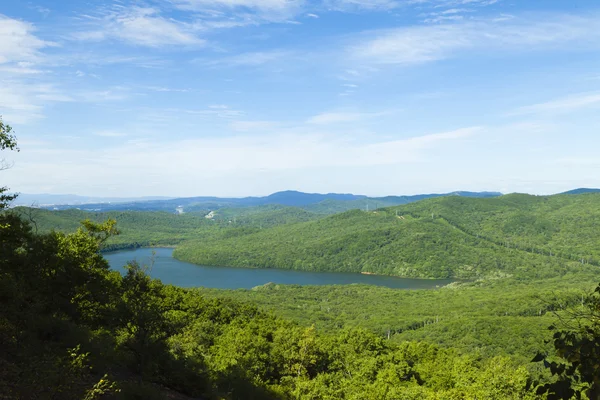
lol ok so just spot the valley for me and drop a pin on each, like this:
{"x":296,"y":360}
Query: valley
{"x":492,"y":273}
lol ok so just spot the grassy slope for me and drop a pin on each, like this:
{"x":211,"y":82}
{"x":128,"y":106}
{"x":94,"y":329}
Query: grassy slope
{"x":519,"y":235}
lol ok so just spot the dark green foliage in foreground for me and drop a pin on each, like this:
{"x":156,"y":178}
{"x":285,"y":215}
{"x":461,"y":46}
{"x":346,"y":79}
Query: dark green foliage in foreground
{"x":515,"y":235}
{"x":71,"y":329}
{"x":576,"y":340}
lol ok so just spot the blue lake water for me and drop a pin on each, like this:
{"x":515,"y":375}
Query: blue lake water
{"x":179,"y":273}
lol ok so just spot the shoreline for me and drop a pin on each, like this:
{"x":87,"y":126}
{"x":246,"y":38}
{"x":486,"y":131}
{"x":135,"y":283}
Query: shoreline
{"x":130,"y":248}
{"x":453,"y":280}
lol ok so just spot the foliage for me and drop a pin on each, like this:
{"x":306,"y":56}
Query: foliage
{"x":435,"y":238}
{"x":577,"y":343}
{"x":142,"y":229}
{"x":59,"y":297}
{"x":502,"y":317}
{"x":8,"y":141}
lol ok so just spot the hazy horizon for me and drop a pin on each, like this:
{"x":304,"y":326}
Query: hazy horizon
{"x":29,"y":197}
{"x":246,"y":98}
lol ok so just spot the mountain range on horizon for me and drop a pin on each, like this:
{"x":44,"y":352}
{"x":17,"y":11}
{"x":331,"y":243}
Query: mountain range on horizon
{"x":290,"y":198}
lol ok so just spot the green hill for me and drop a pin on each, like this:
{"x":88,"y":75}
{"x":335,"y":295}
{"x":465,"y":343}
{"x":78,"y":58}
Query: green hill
{"x":493,"y":317}
{"x":157,"y":228}
{"x":71,"y":329}
{"x":513,"y":235}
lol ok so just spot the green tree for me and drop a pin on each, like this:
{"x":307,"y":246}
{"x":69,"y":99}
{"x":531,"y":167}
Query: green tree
{"x":578,"y":345}
{"x":143,"y":328}
{"x":8,"y":141}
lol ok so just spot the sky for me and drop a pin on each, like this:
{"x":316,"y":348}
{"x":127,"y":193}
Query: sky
{"x":249,"y":97}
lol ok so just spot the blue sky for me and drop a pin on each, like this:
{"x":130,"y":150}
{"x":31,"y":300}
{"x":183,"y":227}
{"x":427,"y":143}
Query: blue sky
{"x":248,"y":97}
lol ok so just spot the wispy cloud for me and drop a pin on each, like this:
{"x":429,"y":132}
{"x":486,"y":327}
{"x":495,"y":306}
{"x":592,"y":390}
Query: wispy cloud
{"x":566,"y":104}
{"x":343,"y":117}
{"x":356,"y":5}
{"x":271,"y":152}
{"x":142,"y":26}
{"x":419,"y":44}
{"x":242,"y":12}
{"x":19,"y":69}
{"x":18,"y":42}
{"x":115,"y":93}
{"x":110,"y":134}
{"x":245,"y":126}
{"x":165,"y":89}
{"x":247,"y":59}
{"x":216,"y":110}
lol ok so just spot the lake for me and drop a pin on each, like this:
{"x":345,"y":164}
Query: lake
{"x":179,"y":273}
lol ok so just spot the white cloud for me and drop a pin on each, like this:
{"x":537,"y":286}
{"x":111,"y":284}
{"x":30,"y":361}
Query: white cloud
{"x":566,"y":104}
{"x":18,"y":103}
{"x":18,"y":42}
{"x":247,"y":59}
{"x":343,"y":117}
{"x":115,"y":93}
{"x":354,"y":5}
{"x":165,"y":89}
{"x":24,"y":102}
{"x":244,"y":126}
{"x":139,"y":26}
{"x":19,"y":70}
{"x":110,"y":134}
{"x":216,"y":110}
{"x":191,"y":161}
{"x":242,"y":12}
{"x":421,"y":44}
{"x":265,"y":5}
{"x":586,"y":162}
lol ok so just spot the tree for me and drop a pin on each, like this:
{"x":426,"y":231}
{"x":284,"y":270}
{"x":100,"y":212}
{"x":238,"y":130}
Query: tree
{"x":578,"y":344}
{"x":144,"y":329}
{"x":8,"y":141}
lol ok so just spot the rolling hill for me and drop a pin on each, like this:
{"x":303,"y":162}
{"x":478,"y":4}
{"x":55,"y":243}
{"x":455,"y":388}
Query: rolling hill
{"x":513,"y":235}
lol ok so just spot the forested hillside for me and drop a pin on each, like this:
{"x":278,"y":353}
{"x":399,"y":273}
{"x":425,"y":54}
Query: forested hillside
{"x":514,"y":235}
{"x":500,"y":317}
{"x":460,"y":237}
{"x":561,"y":225}
{"x":72,"y":329}
{"x":147,"y":228}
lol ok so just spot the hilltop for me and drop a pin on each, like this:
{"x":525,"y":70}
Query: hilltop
{"x":512,"y":235}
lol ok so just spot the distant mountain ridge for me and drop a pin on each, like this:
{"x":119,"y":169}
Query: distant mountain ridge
{"x":582,"y":191}
{"x":44,"y":199}
{"x":322,"y":203}
{"x":317,"y":202}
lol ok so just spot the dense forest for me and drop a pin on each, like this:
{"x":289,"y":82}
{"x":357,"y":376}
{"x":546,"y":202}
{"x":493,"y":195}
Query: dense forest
{"x":500,"y":317}
{"x":513,"y":235}
{"x":151,"y":228}
{"x":71,"y":328}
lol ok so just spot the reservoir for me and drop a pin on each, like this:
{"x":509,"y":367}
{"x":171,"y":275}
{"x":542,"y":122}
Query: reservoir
{"x":179,"y":273}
